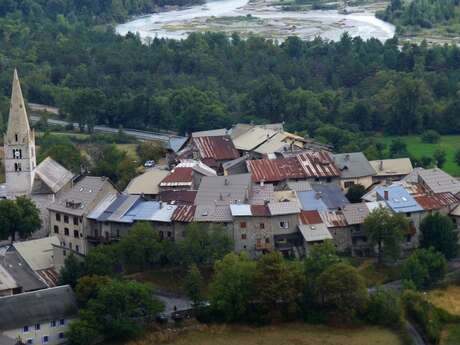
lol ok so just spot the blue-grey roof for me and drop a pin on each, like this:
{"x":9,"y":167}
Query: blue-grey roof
{"x":143,"y":210}
{"x":113,"y":207}
{"x":176,"y":143}
{"x":354,"y":164}
{"x":331,"y":195}
{"x":310,"y":201}
{"x":399,"y":199}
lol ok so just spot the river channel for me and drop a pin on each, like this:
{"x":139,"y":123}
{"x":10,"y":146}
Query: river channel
{"x":258,"y":17}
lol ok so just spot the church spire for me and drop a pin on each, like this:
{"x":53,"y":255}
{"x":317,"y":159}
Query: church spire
{"x":18,"y":123}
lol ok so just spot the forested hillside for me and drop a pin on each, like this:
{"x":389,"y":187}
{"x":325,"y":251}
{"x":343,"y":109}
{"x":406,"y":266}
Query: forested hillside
{"x":326,"y":89}
{"x":423,"y":13}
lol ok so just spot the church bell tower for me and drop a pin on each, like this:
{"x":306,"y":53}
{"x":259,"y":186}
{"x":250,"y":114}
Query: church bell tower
{"x":19,"y":146}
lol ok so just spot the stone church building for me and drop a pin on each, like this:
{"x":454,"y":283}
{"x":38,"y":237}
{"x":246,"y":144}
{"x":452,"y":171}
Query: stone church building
{"x":23,"y":177}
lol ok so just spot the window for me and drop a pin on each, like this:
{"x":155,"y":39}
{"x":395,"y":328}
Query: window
{"x":53,"y":323}
{"x":61,"y":322}
{"x":25,"y":329}
{"x":76,"y":234}
{"x":56,"y":229}
{"x":61,"y":335}
{"x":267,"y":240}
{"x":169,"y":234}
{"x":66,"y":219}
{"x":77,"y":248}
{"x":408,"y":238}
{"x":37,"y":326}
{"x":70,"y":245}
{"x":17,"y":167}
{"x":75,"y":220}
{"x":328,"y":180}
{"x":243,"y":236}
{"x":45,"y":339}
{"x":284,"y":225}
{"x":348,"y":184}
{"x":66,"y":231}
{"x":17,"y":153}
{"x":58,"y":217}
{"x":408,"y":214}
{"x":16,"y":137}
{"x":64,"y":253}
{"x":30,"y":341}
{"x":243,"y":225}
{"x":262,"y":225}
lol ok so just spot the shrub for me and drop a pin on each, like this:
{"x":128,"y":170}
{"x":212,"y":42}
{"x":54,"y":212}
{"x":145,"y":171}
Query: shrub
{"x":384,"y":309}
{"x":424,"y":268}
{"x":430,"y":137}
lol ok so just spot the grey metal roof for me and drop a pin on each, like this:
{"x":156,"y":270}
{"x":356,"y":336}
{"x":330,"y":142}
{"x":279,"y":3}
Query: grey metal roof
{"x":236,"y":161}
{"x":439,"y":181}
{"x":53,"y":174}
{"x":223,"y":190}
{"x":176,"y":143}
{"x":83,"y":194}
{"x":19,"y":270}
{"x":4,"y":340}
{"x":30,"y":308}
{"x":331,"y":194}
{"x":311,"y":201}
{"x":299,"y":186}
{"x":354,"y":164}
{"x":210,"y":133}
{"x":213,"y":213}
{"x":282,"y":208}
{"x":315,"y":232}
{"x":355,"y":213}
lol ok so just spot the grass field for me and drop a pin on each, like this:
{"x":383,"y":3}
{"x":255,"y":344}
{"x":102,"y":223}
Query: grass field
{"x":286,"y":334}
{"x":449,"y":300}
{"x":415,"y":146}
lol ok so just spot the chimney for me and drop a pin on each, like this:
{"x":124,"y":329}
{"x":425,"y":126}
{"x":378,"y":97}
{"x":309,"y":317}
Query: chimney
{"x":262,"y":183}
{"x":381,"y":166}
{"x":385,"y":195}
{"x":226,"y":182}
{"x":318,"y":195}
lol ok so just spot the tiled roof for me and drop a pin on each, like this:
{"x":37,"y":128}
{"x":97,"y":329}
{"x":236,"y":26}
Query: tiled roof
{"x":216,"y":147}
{"x":213,"y":213}
{"x":224,"y":190}
{"x":54,"y":175}
{"x":184,"y":214}
{"x":436,"y":201}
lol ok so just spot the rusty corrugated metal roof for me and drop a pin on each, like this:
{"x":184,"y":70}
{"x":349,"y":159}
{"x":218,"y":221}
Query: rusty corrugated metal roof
{"x":184,"y":214}
{"x":318,"y":164}
{"x":178,"y":177}
{"x":333,"y":219}
{"x":275,"y":170}
{"x":310,"y":217}
{"x":304,"y":165}
{"x":216,"y":147}
{"x":436,"y":201}
{"x":178,"y":197}
{"x":260,"y":211}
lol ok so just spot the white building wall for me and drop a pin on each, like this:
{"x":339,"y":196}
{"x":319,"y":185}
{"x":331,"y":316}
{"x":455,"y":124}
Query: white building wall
{"x":37,"y":336}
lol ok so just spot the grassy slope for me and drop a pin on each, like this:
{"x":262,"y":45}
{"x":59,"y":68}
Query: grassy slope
{"x":449,"y":300}
{"x":286,"y":334}
{"x":449,"y":143}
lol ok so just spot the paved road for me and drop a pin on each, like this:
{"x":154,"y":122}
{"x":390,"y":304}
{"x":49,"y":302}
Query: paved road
{"x":171,"y":141}
{"x":170,"y":301}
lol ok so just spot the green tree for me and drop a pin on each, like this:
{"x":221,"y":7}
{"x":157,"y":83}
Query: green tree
{"x":430,"y":136}
{"x":88,"y":287}
{"x":102,"y":261}
{"x":204,"y":244}
{"x":279,"y":285}
{"x":457,"y":157}
{"x":424,"y":268}
{"x":194,"y":285}
{"x":62,"y":150}
{"x":439,"y":157}
{"x":386,"y":230}
{"x":355,"y":193}
{"x":71,"y":271}
{"x":343,"y":291}
{"x":438,"y":231}
{"x":18,"y":217}
{"x":150,"y":151}
{"x":232,"y":287}
{"x":82,"y":332}
{"x":141,"y":247}
{"x":384,"y":308}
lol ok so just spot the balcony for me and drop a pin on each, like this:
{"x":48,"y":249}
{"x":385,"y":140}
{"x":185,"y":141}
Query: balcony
{"x":264,"y":246}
